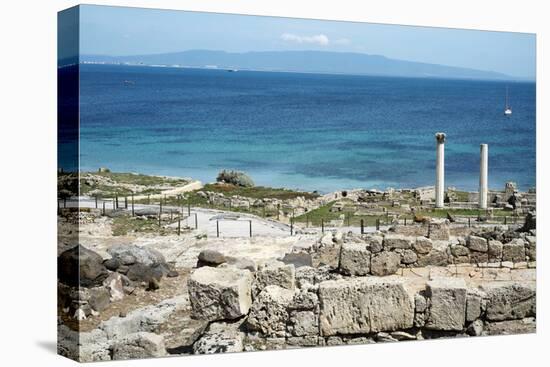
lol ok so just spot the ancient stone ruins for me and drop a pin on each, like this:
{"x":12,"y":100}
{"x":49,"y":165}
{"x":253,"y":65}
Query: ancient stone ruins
{"x":416,"y":282}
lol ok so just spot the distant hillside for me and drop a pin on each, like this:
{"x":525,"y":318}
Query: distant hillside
{"x":303,"y":61}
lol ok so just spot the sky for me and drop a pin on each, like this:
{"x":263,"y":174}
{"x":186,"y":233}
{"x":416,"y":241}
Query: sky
{"x":120,"y":31}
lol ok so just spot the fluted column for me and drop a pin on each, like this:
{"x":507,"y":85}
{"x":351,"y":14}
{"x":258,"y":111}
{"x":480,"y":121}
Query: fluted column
{"x":483,"y":173}
{"x":440,"y":169}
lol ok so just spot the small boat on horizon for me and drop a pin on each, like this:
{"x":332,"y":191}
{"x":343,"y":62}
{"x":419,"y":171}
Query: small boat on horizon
{"x":507,"y":108}
{"x":129,"y":82}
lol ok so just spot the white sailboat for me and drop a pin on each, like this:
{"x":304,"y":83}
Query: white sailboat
{"x":508,"y":108}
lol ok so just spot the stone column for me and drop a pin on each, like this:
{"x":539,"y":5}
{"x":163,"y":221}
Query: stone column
{"x":483,"y":169}
{"x":440,"y":170}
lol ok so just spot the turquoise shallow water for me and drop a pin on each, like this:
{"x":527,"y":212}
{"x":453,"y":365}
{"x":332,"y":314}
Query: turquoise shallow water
{"x":307,"y":131}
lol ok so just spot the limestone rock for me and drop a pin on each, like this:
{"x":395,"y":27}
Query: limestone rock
{"x":364,"y":305}
{"x":385,"y":263}
{"x":375,"y":243}
{"x":473,"y":305}
{"x":408,"y":257}
{"x":139,"y":345}
{"x":210,"y":258}
{"x":439,"y":230}
{"x":354,"y":259}
{"x":510,"y":327}
{"x":475,"y":328}
{"x":447,"y":309}
{"x":221,"y":337}
{"x":510,"y":301}
{"x":495,"y":250}
{"x":302,"y":323}
{"x":99,"y":298}
{"x":268,"y":313}
{"x":422,"y":245}
{"x":514,"y":251}
{"x":397,"y":241}
{"x":220,"y":293}
{"x":476,"y":243}
{"x":434,"y":258}
{"x":274,"y":273}
{"x":327,"y":252}
{"x":147,"y":256}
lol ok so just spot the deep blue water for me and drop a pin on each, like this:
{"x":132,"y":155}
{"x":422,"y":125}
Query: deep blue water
{"x":307,"y":131}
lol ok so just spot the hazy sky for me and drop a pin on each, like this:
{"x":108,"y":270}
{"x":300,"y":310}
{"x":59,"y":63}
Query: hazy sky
{"x":120,"y":31}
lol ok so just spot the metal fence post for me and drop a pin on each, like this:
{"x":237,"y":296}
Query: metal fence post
{"x":291,"y":226}
{"x":126,"y":202}
{"x":104,"y":208}
{"x":133,"y":213}
{"x":250,"y":227}
{"x":196,"y":222}
{"x":322,"y":225}
{"x":96,"y":201}
{"x":179,"y":226}
{"x":377,"y":224}
{"x":362,"y":226}
{"x":217,"y":228}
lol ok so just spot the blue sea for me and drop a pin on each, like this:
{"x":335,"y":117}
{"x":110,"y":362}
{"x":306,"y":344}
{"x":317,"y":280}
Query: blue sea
{"x":304,"y":131}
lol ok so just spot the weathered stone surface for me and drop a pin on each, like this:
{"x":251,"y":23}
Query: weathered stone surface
{"x":220,"y":337}
{"x":144,"y":255}
{"x":305,"y":299}
{"x":510,"y":301}
{"x":514,"y":251}
{"x":302,"y":323}
{"x":495,"y":250}
{"x":439,"y":230}
{"x":475,"y":328}
{"x":210,"y":258}
{"x":433,"y":258}
{"x":397,"y":241}
{"x":80,"y":266}
{"x":269,"y":313}
{"x":274,"y":273}
{"x":447,"y":309}
{"x":115,"y":285}
{"x":420,"y":303}
{"x":422,"y":245}
{"x":531,"y":248}
{"x":90,"y":346}
{"x":476,"y":243}
{"x":327,"y":252}
{"x":256,"y":342}
{"x":354,"y":259}
{"x":364,"y":305}
{"x":408,"y":257}
{"x":139,"y":345}
{"x":302,"y":341}
{"x":459,"y":250}
{"x":99,"y":298}
{"x":298,"y":259}
{"x":220,"y":293}
{"x":510,"y":327}
{"x":479,"y":257}
{"x":473,"y":305}
{"x":385,"y":263}
{"x":375,"y":243}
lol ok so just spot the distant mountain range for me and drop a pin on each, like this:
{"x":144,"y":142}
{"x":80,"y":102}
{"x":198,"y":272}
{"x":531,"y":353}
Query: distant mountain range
{"x":302,"y":61}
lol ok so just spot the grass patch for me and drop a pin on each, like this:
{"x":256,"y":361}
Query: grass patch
{"x":124,"y":225}
{"x":258,"y":192}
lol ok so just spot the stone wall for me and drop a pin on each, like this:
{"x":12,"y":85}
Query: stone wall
{"x":323,"y":308}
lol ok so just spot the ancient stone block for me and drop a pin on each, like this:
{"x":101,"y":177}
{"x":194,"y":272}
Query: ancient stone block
{"x":439,"y":230}
{"x":302,"y":323}
{"x":447,"y":309}
{"x":274,"y":273}
{"x":495,"y":250}
{"x":408,"y":257}
{"x":422,"y":245}
{"x":269,"y":314}
{"x":459,"y":250}
{"x":476,"y":243}
{"x":354,"y":259}
{"x":220,"y":293}
{"x":375,"y":243}
{"x":364,"y":305}
{"x":397,"y":241}
{"x":385,"y":263}
{"x":220,"y":337}
{"x":510,"y":301}
{"x":139,"y":345}
{"x":514,"y":251}
{"x":433,"y":258}
{"x":473,"y":305}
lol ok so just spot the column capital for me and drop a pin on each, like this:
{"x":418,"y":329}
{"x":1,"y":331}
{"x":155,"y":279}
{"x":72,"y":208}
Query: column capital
{"x":440,"y":137}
